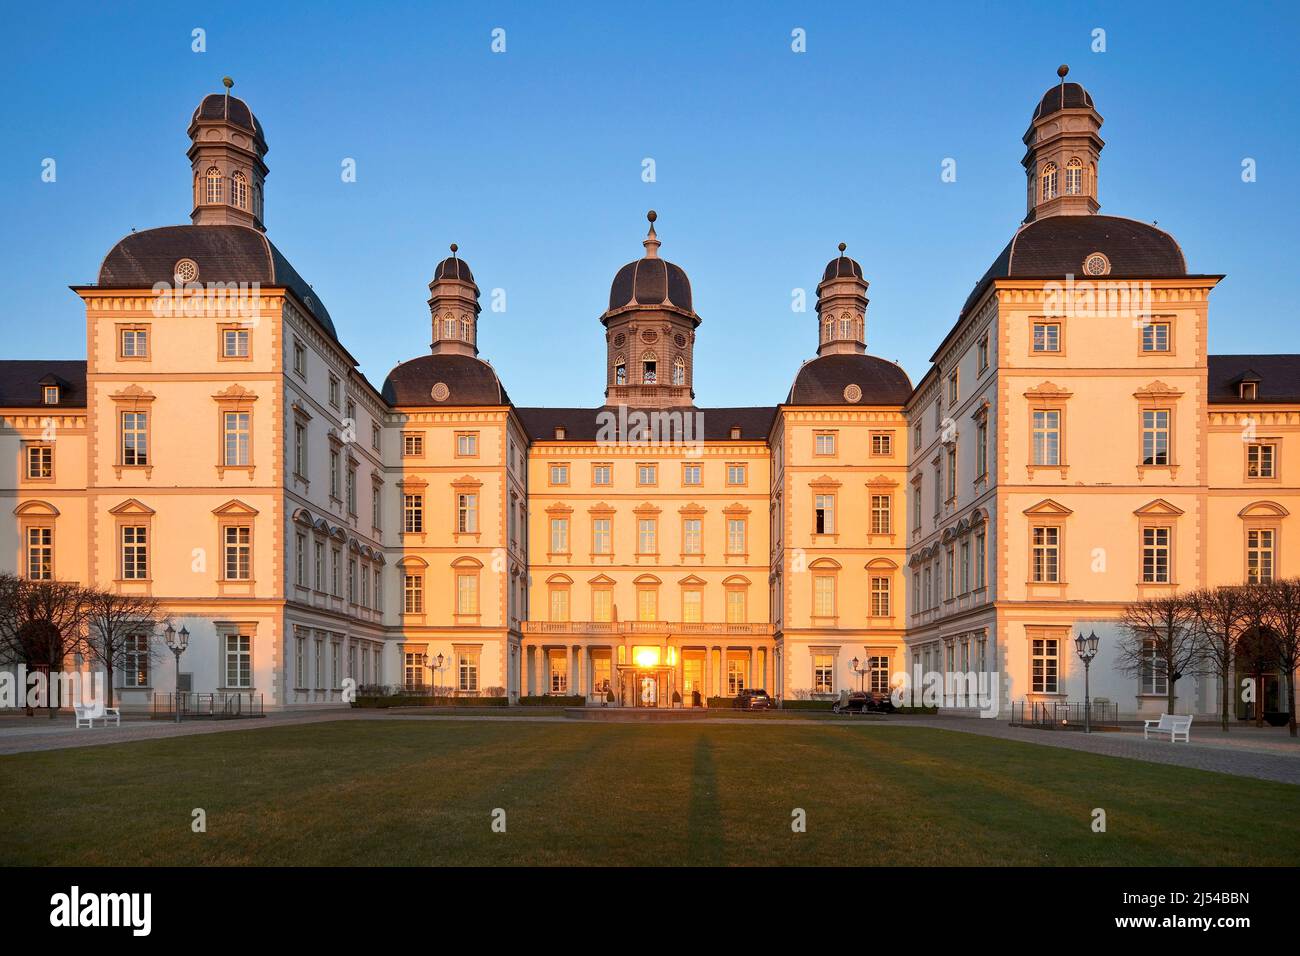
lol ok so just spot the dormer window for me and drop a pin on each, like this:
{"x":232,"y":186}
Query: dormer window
{"x":51,"y":393}
{"x":735,"y":432}
{"x":559,"y":433}
{"x":1249,"y":391}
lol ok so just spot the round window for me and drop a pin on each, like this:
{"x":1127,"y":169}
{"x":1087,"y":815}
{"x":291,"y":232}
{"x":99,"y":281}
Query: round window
{"x":185,"y":270}
{"x":1096,"y":265}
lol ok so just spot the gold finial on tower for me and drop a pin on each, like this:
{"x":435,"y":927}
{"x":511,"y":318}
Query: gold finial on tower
{"x":651,"y":241}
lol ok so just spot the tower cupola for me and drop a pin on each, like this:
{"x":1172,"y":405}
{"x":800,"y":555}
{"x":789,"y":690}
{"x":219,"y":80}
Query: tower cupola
{"x":453,"y":307}
{"x":227,"y":148}
{"x":842,"y":307}
{"x":1062,"y":147}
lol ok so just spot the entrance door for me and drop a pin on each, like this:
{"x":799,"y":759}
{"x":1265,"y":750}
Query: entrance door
{"x":647,"y":690}
{"x":692,"y":679}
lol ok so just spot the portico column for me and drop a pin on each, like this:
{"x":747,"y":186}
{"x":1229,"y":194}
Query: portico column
{"x":725,"y":685}
{"x":578,"y":675}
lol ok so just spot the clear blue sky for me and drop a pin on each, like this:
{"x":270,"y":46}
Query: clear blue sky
{"x":531,"y":161}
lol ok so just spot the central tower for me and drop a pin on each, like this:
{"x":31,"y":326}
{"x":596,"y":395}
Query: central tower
{"x":650,"y":332}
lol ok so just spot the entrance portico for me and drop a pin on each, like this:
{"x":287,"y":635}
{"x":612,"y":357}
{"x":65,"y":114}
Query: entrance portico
{"x":646,"y":664}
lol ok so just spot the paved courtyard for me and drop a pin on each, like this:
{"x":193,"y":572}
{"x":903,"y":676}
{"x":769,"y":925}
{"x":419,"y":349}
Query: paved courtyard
{"x":1264,"y":753}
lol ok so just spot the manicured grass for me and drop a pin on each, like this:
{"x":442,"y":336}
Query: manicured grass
{"x":416,"y":792}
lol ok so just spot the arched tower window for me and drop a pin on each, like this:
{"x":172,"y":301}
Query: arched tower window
{"x":257,"y":200}
{"x":679,"y":372}
{"x":828,"y":330}
{"x":1074,"y":178}
{"x":1092,"y":180}
{"x":239,"y":190}
{"x":1049,"y":182}
{"x":464,"y":329}
{"x":449,"y":328}
{"x":649,"y":369}
{"x":214,"y":185}
{"x":846,"y":326}
{"x":620,"y":371}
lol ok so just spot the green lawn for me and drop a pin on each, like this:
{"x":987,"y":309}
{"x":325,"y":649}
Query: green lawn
{"x":411,"y":792}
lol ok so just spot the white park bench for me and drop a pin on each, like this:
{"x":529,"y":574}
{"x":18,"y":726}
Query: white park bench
{"x":1172,"y":724}
{"x":87,"y":715}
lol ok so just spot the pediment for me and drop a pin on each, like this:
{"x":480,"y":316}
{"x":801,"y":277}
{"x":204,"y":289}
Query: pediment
{"x":1263,"y":509}
{"x":1158,"y":506}
{"x":29,"y":509}
{"x":132,"y":506}
{"x":235,"y":507}
{"x":1048,"y":507}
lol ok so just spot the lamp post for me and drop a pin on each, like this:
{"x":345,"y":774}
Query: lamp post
{"x":857,"y":669}
{"x":177,"y":641}
{"x":1087,"y":650}
{"x":437,"y":669}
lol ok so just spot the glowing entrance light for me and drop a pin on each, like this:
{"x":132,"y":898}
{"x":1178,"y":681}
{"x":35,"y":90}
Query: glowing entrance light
{"x":645,"y":656}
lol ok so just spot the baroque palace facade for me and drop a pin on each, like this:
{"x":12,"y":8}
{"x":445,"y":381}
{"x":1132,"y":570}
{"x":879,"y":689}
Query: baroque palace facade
{"x":1072,"y":448}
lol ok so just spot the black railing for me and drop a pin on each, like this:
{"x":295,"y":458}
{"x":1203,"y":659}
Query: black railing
{"x":1064,"y":715}
{"x":222,"y":705}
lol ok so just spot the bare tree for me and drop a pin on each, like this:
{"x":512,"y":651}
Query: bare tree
{"x":1222,"y":614}
{"x":1281,"y":617}
{"x":114,"y":621}
{"x":42,"y":624}
{"x":1160,"y":635}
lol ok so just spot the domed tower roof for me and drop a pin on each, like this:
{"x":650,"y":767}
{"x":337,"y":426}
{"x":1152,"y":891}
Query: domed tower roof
{"x":1063,"y":96}
{"x":445,"y":379}
{"x":231,"y":109}
{"x":849,"y":379}
{"x":842,"y":267}
{"x":453,"y":267}
{"x":651,"y":281}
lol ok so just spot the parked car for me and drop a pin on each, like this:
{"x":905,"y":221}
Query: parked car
{"x":864,"y":702}
{"x":752,"y":698}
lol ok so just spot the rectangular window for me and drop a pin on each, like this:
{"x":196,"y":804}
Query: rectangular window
{"x":40,"y":554}
{"x":736,"y":474}
{"x":350,"y":495}
{"x":1155,"y":555}
{"x":234,"y":343}
{"x":647,"y":604}
{"x":334,"y":391}
{"x":692,"y":474}
{"x":602,"y":474}
{"x":823,"y":595}
{"x":1047,"y":436}
{"x":559,"y":535}
{"x":300,"y":450}
{"x":335,"y":477}
{"x":237,"y":556}
{"x":953,"y":391}
{"x":1046,"y":554}
{"x":916,"y":437}
{"x":135,"y":438}
{"x":412,"y":444}
{"x":559,"y":474}
{"x":736,"y":676}
{"x":736,"y":606}
{"x":880,"y":596}
{"x":878,"y":674}
{"x":1155,"y":679}
{"x":1259,"y":555}
{"x":952,"y":474}
{"x":239,"y":660}
{"x":40,"y":461}
{"x":135,"y":668}
{"x":823,"y":674}
{"x":135,"y":552}
{"x":467,"y":513}
{"x":647,"y":474}
{"x":467,"y":594}
{"x":412,"y":670}
{"x":376,"y":507}
{"x":374,"y":443}
{"x":1044,"y":677}
{"x":467,"y":675}
{"x":413,"y":514}
{"x":1155,"y":436}
{"x":299,"y":359}
{"x":979,"y":560}
{"x":336,"y":569}
{"x":983,"y":352}
{"x":559,"y":604}
{"x":1047,"y":337}
{"x":691,"y":536}
{"x":352,"y":580}
{"x":135,"y":343}
{"x":647,"y":536}
{"x":916,"y":506}
{"x":965,"y":566}
{"x":601,"y":542}
{"x":320,"y":566}
{"x":982,"y":448}
{"x":413,"y":593}
{"x":692,"y":606}
{"x":881,"y":514}
{"x":824,"y":514}
{"x":237,"y":429}
{"x":882,"y":444}
{"x":1155,"y":337}
{"x":824,"y":443}
{"x":602,"y":605}
{"x":1260,"y":460}
{"x":736,"y":536}
{"x":467,"y":444}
